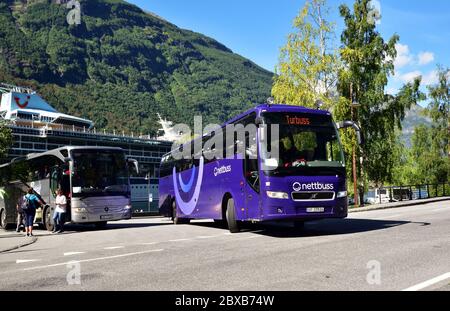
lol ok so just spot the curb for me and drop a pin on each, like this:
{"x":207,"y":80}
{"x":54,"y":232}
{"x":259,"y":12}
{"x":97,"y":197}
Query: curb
{"x":397,"y":205}
{"x":30,"y":242}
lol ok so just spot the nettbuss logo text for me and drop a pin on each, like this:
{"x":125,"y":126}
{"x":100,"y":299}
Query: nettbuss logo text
{"x":222,"y":170}
{"x":312,"y":186}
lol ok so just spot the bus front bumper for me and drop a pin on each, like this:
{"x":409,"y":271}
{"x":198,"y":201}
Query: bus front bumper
{"x":304,"y":211}
{"x":84,"y":216}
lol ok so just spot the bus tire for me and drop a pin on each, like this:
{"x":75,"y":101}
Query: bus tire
{"x":3,"y":222}
{"x":299,"y":225}
{"x":47,"y":219}
{"x":233,"y":224}
{"x":177,"y":220}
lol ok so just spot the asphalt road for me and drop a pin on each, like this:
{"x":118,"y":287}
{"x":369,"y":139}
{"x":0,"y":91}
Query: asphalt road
{"x":394,"y":249}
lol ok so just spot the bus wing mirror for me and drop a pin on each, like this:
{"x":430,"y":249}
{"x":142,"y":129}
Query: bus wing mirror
{"x":135,"y":164}
{"x":250,"y":153}
{"x":259,"y":121}
{"x":346,"y":124}
{"x":271,"y":163}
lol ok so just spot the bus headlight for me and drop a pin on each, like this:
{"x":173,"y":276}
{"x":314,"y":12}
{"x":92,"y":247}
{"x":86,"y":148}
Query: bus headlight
{"x":277,"y":195}
{"x":127,"y":206}
{"x":341,"y":194}
{"x":80,"y":210}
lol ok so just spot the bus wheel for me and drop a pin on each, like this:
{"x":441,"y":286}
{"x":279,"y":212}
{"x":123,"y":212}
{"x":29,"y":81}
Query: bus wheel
{"x":233,"y":224}
{"x":299,"y":225}
{"x":48,"y":219}
{"x":3,"y":222}
{"x":177,"y":220}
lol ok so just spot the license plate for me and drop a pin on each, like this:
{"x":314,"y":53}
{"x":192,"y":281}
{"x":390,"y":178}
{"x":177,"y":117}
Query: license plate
{"x":106,"y":217}
{"x":315,"y":210}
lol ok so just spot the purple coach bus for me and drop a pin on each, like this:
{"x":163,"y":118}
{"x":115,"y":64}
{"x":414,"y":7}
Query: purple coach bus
{"x":307,"y":181}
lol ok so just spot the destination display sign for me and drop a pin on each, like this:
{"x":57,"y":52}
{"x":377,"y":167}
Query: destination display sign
{"x":294,"y":120}
{"x":298,"y":119}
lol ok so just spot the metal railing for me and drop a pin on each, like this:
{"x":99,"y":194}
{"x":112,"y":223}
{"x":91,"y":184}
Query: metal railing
{"x":408,"y":193}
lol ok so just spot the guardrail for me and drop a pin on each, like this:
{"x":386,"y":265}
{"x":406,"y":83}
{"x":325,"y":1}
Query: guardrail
{"x":407,"y":193}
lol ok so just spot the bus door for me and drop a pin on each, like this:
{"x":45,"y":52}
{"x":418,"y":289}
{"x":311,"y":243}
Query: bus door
{"x":60,"y":178}
{"x":252,"y":180}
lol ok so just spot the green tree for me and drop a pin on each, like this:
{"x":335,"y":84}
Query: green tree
{"x":439,"y":111}
{"x":439,"y":108}
{"x":426,"y":162}
{"x":405,"y":171}
{"x":5,"y":139}
{"x":308,"y":65}
{"x":368,"y":61}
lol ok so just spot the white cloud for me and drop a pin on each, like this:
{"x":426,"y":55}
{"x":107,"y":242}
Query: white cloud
{"x":425,"y":58}
{"x":431,"y":78}
{"x":409,"y":76}
{"x":391,"y":91}
{"x":427,"y":79}
{"x":404,"y":57}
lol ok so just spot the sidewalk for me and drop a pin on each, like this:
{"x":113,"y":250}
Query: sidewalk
{"x":396,"y":204}
{"x":12,"y":240}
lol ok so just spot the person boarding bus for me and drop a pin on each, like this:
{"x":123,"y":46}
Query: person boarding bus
{"x":59,"y":216}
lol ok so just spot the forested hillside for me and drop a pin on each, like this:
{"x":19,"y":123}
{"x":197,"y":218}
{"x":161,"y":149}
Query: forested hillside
{"x":121,"y":65}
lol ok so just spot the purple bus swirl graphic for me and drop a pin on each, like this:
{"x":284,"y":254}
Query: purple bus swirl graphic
{"x":188,"y":207}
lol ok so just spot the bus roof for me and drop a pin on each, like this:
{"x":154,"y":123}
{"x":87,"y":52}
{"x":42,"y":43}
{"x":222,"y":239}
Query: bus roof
{"x":265,"y":108}
{"x":278,"y":108}
{"x":57,"y":152}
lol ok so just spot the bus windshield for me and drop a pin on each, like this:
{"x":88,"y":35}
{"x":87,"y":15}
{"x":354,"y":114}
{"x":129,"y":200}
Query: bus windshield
{"x":99,"y":172}
{"x":306,"y":142}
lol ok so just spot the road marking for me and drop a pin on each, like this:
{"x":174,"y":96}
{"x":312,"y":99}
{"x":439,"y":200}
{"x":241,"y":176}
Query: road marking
{"x":114,"y":247}
{"x":257,"y":231}
{"x":149,"y":243}
{"x":251,"y":237}
{"x":18,"y":261}
{"x":441,"y":209}
{"x":93,"y":259}
{"x":206,"y":236}
{"x":73,"y":253}
{"x":428,"y":283}
{"x":179,"y":240}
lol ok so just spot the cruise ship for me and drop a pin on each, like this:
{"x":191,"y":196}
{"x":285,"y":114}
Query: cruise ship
{"x":38,"y":127}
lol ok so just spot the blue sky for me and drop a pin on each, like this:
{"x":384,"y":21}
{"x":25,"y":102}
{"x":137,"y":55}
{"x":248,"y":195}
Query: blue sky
{"x":256,"y":29}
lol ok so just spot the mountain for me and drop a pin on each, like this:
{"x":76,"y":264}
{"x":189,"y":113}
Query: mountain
{"x":414,"y":117}
{"x":122,"y":65}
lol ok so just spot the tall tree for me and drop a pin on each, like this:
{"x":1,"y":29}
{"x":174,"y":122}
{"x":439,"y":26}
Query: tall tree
{"x":308,"y":65}
{"x":427,"y":156}
{"x":368,"y":61}
{"x":439,"y":108}
{"x":424,"y":162}
{"x":5,"y":139}
{"x":439,"y":111}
